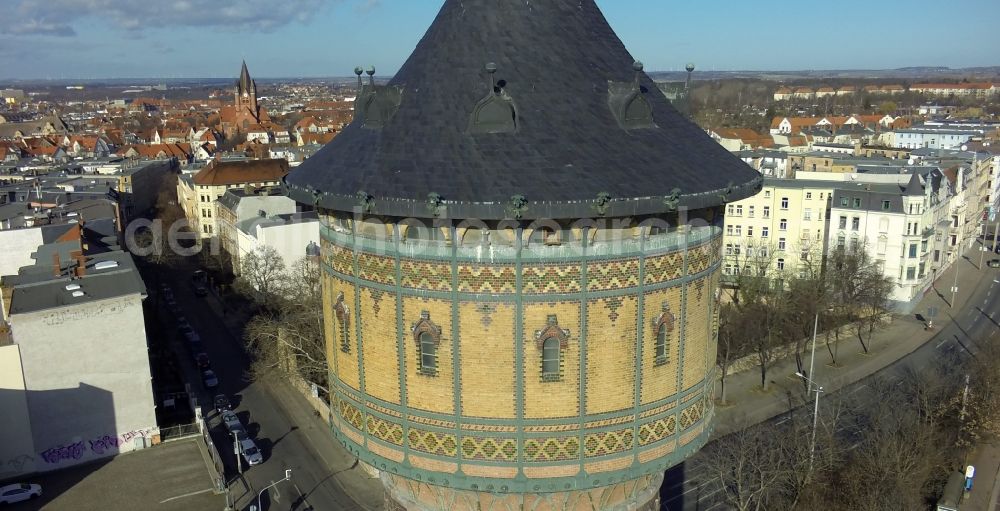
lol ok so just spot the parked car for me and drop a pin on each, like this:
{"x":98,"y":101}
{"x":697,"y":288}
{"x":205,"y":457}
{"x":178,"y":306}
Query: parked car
{"x":232,"y":422}
{"x":250,"y":452}
{"x":200,"y":291}
{"x":192,"y":337}
{"x":222,"y":403}
{"x":201,"y":358}
{"x":209,"y":378}
{"x":993,"y":263}
{"x":196,"y":349}
{"x":20,"y":492}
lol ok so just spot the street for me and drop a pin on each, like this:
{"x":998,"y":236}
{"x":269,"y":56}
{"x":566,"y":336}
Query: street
{"x":686,"y":486}
{"x":276,"y":416}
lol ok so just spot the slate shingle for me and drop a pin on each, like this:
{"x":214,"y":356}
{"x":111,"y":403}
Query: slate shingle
{"x":557,"y":58}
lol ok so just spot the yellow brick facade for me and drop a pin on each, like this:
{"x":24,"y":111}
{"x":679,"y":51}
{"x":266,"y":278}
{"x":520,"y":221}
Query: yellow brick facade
{"x":378,"y":322}
{"x":696,"y":341}
{"x":551,"y":399}
{"x":452,"y":421}
{"x":611,"y":334}
{"x":659,"y":381}
{"x":430,"y":393}
{"x":487,"y":341}
{"x":346,"y":363}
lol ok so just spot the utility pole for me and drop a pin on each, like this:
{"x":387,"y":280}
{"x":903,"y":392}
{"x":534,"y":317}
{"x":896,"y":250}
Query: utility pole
{"x":982,"y":246}
{"x":954,"y":288}
{"x":812,"y":355}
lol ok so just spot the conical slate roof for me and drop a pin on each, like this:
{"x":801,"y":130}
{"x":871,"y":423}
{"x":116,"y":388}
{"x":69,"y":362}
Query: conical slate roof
{"x":914,"y":187}
{"x":571,"y":117}
{"x":245,"y":84}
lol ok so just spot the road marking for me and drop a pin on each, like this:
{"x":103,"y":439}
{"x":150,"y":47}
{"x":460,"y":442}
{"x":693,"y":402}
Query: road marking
{"x":860,"y":388}
{"x":782,"y":421}
{"x":192,"y":494}
{"x":942,"y":343}
{"x":277,"y":492}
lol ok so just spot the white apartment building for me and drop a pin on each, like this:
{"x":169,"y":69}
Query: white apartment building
{"x":907,"y":230}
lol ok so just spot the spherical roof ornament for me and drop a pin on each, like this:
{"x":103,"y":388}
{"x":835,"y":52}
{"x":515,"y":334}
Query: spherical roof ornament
{"x":690,"y":67}
{"x":637,"y":66}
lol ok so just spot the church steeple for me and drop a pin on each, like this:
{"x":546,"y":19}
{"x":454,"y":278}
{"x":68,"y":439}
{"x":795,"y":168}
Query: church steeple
{"x":246,"y":90}
{"x":245,"y":85}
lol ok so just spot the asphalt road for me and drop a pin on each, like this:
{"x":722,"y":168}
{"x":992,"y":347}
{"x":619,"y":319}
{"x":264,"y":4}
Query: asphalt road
{"x":688,"y":488}
{"x":269,"y":410}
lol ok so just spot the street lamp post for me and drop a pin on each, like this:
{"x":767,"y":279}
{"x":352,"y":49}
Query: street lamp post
{"x":812,"y":442}
{"x":288,"y":475}
{"x":236,"y":452}
{"x":812,"y":355}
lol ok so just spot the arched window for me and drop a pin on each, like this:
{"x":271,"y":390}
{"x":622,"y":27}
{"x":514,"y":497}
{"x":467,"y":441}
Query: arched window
{"x":428,"y":354}
{"x":551,"y":341}
{"x":663,"y":326}
{"x":343,"y":315}
{"x":550,"y":358}
{"x":661,"y":344}
{"x":427,"y":336}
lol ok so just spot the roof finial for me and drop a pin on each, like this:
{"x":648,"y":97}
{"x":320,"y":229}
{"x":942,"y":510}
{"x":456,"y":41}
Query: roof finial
{"x":371,"y":75}
{"x":637,"y":66}
{"x":491,"y":68}
{"x":359,"y":71}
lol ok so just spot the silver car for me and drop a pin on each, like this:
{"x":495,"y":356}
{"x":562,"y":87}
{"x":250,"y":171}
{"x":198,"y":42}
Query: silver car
{"x":250,"y":451}
{"x":232,"y":422}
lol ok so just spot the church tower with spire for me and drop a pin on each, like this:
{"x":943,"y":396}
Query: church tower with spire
{"x":246,"y":91}
{"x":245,"y":113}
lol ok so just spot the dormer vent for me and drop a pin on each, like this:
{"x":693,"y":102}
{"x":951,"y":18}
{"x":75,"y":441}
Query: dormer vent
{"x":495,"y":113}
{"x":628,"y":102}
{"x":375,"y":105}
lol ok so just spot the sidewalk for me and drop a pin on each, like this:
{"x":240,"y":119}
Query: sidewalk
{"x":749,"y":405}
{"x":986,"y":485}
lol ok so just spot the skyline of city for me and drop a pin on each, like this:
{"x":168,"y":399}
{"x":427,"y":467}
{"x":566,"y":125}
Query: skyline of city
{"x":320,"y":38}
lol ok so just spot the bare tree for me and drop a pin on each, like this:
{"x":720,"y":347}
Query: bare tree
{"x":858,"y":287}
{"x":749,"y":466}
{"x":262,"y":275}
{"x":289,"y":336}
{"x":897,"y":455}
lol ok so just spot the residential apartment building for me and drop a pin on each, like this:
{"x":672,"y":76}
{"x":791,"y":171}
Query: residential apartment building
{"x":906,"y":231}
{"x":204,"y":189}
{"x":242,"y":209}
{"x":782,"y":228}
{"x":68,"y":395}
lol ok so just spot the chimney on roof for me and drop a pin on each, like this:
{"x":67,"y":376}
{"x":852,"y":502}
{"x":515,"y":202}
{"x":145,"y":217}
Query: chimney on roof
{"x":56,"y":265}
{"x":81,"y":263}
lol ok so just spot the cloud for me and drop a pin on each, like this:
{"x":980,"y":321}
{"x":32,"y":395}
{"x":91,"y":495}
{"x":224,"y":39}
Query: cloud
{"x":37,"y":27}
{"x":366,"y":6}
{"x":56,"y":17}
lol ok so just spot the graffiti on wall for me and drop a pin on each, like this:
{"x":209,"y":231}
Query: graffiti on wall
{"x":102,"y":445}
{"x":101,"y":310}
{"x":60,"y":453}
{"x":17,"y":463}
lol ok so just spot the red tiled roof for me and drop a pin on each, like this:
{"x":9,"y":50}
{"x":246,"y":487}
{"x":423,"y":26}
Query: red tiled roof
{"x":239,"y":172}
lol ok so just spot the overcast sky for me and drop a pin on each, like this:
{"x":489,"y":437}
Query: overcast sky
{"x":293,"y":38}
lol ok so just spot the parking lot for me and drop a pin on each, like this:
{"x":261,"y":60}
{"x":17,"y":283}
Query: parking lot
{"x":168,"y":477}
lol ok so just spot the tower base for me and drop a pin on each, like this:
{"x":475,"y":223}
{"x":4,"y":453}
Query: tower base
{"x":641,"y":494}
